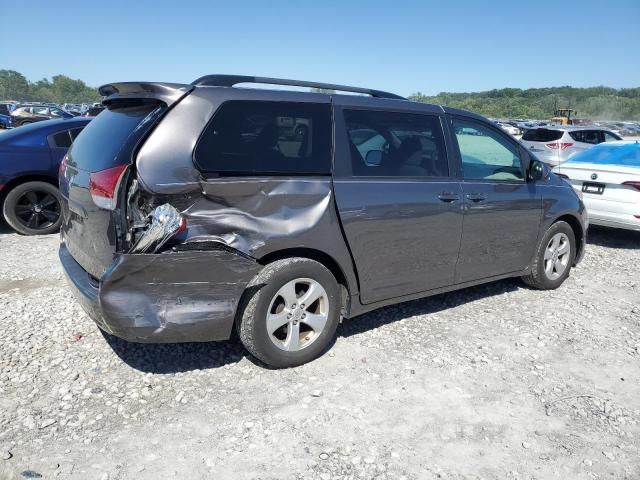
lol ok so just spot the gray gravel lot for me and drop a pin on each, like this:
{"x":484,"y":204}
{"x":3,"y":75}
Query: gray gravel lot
{"x":494,"y":382}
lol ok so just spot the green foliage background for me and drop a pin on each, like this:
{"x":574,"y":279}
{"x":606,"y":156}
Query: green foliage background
{"x":596,"y":103}
{"x":60,"y":89}
{"x":602,"y":103}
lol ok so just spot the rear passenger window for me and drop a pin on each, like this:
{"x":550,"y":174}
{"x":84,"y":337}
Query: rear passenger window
{"x":586,"y":136}
{"x":61,"y":139}
{"x":542,"y":135}
{"x":271,"y":138}
{"x":75,"y":132}
{"x":485,"y":153}
{"x":610,"y":137}
{"x":393,"y":144}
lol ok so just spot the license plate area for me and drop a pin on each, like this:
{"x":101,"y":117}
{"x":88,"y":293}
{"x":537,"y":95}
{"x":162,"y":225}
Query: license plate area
{"x":592,"y":187}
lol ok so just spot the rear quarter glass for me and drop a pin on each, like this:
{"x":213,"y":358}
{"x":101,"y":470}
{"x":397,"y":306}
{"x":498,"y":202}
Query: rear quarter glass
{"x":100,"y":146}
{"x":542,"y":135}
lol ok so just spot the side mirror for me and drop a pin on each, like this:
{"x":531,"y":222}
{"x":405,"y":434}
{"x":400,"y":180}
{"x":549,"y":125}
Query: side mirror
{"x":374,"y":157}
{"x":536,"y":170}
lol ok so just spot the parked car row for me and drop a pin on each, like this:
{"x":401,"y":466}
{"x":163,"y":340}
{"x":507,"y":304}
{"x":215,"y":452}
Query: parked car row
{"x":15,"y":115}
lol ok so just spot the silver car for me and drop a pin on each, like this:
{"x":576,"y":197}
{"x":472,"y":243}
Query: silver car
{"x":555,"y":145}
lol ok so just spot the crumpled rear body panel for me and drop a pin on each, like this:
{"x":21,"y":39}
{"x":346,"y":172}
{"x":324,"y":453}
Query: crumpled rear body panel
{"x":260,"y":216}
{"x":169,"y":297}
{"x":257,"y":216}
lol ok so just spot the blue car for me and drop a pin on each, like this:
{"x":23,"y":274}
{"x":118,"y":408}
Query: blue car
{"x":30,"y":157}
{"x":5,"y":121}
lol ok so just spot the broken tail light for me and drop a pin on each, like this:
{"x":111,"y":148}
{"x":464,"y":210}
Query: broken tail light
{"x":166,"y":222}
{"x":62,"y":168}
{"x":559,"y":145}
{"x":103,"y":186}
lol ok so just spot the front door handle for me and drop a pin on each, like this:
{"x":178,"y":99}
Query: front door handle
{"x":449,"y":197}
{"x":476,"y":197}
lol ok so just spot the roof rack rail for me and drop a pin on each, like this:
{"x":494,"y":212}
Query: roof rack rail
{"x":231,"y":80}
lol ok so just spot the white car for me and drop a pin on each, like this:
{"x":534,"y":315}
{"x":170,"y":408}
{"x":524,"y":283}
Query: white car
{"x":555,"y":145}
{"x":510,"y":129}
{"x":608,"y":177}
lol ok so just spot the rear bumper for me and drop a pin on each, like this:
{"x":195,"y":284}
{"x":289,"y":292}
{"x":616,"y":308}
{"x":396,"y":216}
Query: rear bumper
{"x":614,"y":221}
{"x":164,"y":298}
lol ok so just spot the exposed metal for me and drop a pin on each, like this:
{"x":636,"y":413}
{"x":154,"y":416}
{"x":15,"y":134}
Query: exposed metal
{"x":165,"y":221}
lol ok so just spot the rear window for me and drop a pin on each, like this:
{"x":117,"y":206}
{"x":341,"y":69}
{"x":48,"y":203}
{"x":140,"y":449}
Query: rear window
{"x":542,"y":135}
{"x":61,"y":139}
{"x":270,"y":138}
{"x":106,"y":138}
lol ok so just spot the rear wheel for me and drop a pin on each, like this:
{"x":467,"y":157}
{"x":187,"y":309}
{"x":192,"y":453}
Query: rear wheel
{"x":554,"y":258}
{"x":33,"y":208}
{"x":290,"y":312}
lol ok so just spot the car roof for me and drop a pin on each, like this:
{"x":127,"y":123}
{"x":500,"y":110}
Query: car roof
{"x":569,"y":128}
{"x":225,"y":86}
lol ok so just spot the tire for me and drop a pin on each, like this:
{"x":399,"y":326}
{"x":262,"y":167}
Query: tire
{"x":550,"y":267}
{"x":264,"y":306}
{"x":33,"y":208}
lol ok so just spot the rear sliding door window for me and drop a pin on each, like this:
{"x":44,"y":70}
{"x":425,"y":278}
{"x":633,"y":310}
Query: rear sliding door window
{"x":395,"y":144}
{"x":267,"y":138}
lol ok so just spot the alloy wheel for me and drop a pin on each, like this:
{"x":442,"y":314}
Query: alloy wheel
{"x":37,"y":210}
{"x":298,"y":313}
{"x":557,"y":255}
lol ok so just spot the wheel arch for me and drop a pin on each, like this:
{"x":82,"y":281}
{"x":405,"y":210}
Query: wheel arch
{"x":14,"y":182}
{"x":321,"y":257}
{"x":578,"y":232}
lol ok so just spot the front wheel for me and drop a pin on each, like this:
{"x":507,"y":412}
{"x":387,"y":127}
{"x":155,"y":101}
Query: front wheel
{"x":554,"y":258}
{"x":33,"y":208}
{"x":290,"y":312}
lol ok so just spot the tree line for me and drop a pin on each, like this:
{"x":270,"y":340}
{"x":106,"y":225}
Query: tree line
{"x":596,"y":103}
{"x":60,"y":89}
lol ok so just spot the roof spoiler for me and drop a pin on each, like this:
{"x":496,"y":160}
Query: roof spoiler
{"x":168,"y":93}
{"x":232,"y":80}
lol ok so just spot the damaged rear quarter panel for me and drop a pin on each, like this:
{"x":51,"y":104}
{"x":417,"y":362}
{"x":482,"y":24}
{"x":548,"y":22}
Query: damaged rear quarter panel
{"x":257,"y":216}
{"x":175,"y":296}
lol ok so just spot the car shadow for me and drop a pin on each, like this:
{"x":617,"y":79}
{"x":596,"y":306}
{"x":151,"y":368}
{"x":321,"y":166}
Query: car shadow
{"x":613,"y":238}
{"x":5,"y":229}
{"x":425,"y":306}
{"x":183,"y":357}
{"x":168,"y":358}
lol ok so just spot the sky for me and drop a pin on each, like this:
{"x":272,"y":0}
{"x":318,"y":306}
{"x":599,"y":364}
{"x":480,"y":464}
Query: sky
{"x":400,"y":46}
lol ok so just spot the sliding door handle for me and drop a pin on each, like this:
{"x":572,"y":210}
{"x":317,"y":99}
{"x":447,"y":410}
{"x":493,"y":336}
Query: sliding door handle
{"x":476,"y":197}
{"x":449,"y":197}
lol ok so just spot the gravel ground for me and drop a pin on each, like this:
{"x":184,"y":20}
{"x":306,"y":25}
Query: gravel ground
{"x":496,"y":381}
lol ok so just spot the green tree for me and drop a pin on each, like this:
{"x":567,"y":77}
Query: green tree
{"x":13,"y":85}
{"x":60,"y":89}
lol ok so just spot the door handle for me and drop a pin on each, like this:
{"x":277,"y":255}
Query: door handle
{"x":449,"y":197}
{"x":476,"y":197}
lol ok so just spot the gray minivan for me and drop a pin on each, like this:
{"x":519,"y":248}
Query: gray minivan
{"x":191,"y":210}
